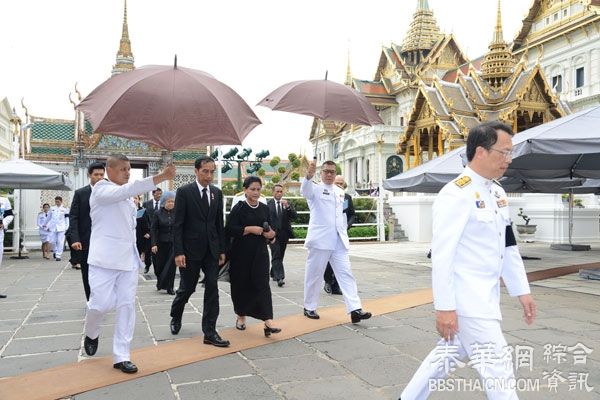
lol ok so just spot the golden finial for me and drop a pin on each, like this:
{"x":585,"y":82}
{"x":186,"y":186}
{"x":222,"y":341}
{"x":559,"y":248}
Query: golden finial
{"x":423,"y":32}
{"x":124,"y":55}
{"x":498,"y":64}
{"x":498,"y":35}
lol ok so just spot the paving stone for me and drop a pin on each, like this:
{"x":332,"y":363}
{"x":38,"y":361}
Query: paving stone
{"x":251,"y":388}
{"x":350,"y":349}
{"x":289,"y":369}
{"x":328,"y":335}
{"x":384,"y":371}
{"x":50,"y":328}
{"x":228,"y":366}
{"x":47,"y":344}
{"x":330,"y":388}
{"x":397,"y":334}
{"x":11,"y":366}
{"x":59,"y":315}
{"x":155,"y":386}
{"x":286,"y":348}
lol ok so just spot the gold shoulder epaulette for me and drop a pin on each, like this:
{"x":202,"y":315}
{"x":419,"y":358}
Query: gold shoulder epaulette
{"x":463,"y":181}
{"x":496,"y":182}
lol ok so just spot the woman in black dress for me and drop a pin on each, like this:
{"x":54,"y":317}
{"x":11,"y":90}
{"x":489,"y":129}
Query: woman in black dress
{"x":142,"y":230}
{"x":162,"y":243}
{"x":249,"y":258}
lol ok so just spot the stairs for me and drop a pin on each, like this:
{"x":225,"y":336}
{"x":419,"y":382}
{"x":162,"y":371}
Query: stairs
{"x":395,"y":229}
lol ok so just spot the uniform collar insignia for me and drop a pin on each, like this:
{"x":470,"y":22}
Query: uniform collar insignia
{"x":463,"y":181}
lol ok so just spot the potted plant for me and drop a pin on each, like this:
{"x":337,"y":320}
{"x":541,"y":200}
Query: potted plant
{"x":525,"y":229}
{"x":578,"y":203}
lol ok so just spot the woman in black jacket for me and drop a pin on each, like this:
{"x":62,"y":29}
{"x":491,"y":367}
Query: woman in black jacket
{"x":162,"y":243}
{"x":142,"y":230}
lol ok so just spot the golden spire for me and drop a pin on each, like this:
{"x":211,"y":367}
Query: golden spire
{"x":124,"y":55}
{"x":348,"y":81}
{"x":423,"y":32}
{"x":498,"y":64}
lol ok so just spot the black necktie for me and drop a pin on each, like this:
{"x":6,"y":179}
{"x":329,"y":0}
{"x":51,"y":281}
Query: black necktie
{"x":155,"y":205}
{"x":204,"y":198}
{"x":278,"y":209}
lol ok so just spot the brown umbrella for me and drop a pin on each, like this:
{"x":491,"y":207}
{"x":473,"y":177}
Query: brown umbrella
{"x":323,"y":99}
{"x":170,"y":107}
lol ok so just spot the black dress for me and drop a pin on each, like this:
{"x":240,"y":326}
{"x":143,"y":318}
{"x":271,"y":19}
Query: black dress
{"x":162,"y":236}
{"x":142,"y":228}
{"x":249,"y":263}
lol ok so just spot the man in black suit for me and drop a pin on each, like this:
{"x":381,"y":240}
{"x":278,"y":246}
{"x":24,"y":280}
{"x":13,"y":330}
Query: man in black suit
{"x":199,"y":244}
{"x":80,"y":224}
{"x":151,"y":206}
{"x":331,"y":284}
{"x":281,"y":213}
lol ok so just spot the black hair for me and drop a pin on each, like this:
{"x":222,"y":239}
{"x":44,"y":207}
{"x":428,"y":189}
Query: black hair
{"x":95,"y":165}
{"x":157,"y":190}
{"x":250,"y":180}
{"x":45,"y":204}
{"x":485,"y":135}
{"x":329,"y":162}
{"x":200,"y":161}
{"x":58,"y":198}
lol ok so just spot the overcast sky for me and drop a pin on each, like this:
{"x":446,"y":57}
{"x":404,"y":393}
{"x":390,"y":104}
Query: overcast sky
{"x":252,"y":46}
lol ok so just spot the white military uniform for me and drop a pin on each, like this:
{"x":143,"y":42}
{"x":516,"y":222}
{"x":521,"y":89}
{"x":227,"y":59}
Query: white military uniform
{"x":470,"y":254}
{"x":58,"y":224}
{"x":327,"y":241}
{"x":6,"y":215}
{"x":114,"y":261}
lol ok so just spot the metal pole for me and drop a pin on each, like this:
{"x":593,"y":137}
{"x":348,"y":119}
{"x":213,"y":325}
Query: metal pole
{"x":219,"y":166}
{"x":571,"y":197}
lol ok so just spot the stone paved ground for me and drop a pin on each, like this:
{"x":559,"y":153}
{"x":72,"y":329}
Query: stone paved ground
{"x":41,"y":326}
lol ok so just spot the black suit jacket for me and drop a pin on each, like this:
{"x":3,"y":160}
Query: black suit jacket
{"x":197,"y":231}
{"x":350,"y":213}
{"x":80,"y":223}
{"x":149,"y":206}
{"x":283,"y":226}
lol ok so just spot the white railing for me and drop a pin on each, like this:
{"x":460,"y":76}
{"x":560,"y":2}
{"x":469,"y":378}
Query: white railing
{"x":374,"y":211}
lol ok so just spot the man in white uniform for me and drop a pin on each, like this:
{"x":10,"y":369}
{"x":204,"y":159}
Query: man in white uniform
{"x":327,"y":241}
{"x":113,"y":259}
{"x":6,"y":217}
{"x":473,"y":246}
{"x":59,"y":223}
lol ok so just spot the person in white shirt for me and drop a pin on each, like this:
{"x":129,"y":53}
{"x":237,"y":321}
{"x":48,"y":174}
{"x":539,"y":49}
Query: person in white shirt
{"x":59,"y":223}
{"x":43,"y":219}
{"x":472,"y":247}
{"x":6,"y":217}
{"x":113,"y":259}
{"x":327,"y":241}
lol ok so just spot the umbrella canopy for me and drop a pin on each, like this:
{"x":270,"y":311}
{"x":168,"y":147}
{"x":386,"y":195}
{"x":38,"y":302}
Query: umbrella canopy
{"x":170,"y":107}
{"x":23,"y":174}
{"x":323,"y":99}
{"x":564,"y":148}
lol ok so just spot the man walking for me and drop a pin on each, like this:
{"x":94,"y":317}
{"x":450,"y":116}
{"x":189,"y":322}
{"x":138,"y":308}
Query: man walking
{"x":327,"y":241}
{"x":59,"y":223}
{"x":6,"y":217}
{"x":473,"y":246}
{"x":113,"y":259}
{"x":80,"y":224}
{"x":282,"y":213}
{"x":331,"y":284}
{"x":199,"y":244}
{"x":151,"y":207}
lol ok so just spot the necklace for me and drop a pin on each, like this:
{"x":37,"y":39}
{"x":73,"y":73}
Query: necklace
{"x":251,"y":206}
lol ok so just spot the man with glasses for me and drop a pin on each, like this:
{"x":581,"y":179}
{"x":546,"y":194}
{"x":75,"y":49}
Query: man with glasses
{"x":473,"y":246}
{"x":327,"y":241}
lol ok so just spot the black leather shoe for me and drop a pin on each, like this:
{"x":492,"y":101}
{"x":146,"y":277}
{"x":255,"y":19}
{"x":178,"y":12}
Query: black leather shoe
{"x":327,"y":288}
{"x":126,"y":366}
{"x":2,"y":296}
{"x":216,"y":340}
{"x":269,"y":330}
{"x":146,"y":270}
{"x":311,"y":314}
{"x":335,"y":289}
{"x":171,"y":292}
{"x":175,"y":326}
{"x":358,"y":315}
{"x":280,"y":283}
{"x":90,"y":346}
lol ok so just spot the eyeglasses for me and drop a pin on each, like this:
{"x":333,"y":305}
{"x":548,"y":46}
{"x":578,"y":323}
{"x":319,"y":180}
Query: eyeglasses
{"x":328,"y":171}
{"x":508,"y":154}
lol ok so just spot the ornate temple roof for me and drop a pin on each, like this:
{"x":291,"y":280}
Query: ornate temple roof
{"x":498,"y":64}
{"x":424,"y":31}
{"x":125,"y":60}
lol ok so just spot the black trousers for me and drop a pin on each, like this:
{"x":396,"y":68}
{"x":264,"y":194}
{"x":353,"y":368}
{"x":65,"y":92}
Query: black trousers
{"x":165,"y":266}
{"x":187,"y":286}
{"x":80,"y":257}
{"x":329,"y":277}
{"x":277,"y":255}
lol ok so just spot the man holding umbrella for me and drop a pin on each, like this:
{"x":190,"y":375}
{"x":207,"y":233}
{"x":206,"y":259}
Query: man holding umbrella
{"x":327,"y":241}
{"x":113,"y":259}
